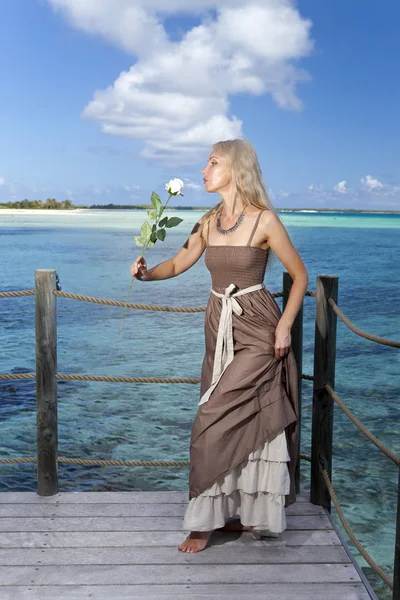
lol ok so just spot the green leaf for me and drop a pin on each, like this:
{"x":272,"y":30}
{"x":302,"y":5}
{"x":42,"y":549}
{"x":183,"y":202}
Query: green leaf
{"x":153,"y":237}
{"x":145,"y":230}
{"x":155,"y":200}
{"x":173,"y":222}
{"x":150,"y":243}
{"x":154,"y":227}
{"x":163,"y":221}
{"x":152,"y":214}
{"x":161,"y":233}
{"x":139,"y":241}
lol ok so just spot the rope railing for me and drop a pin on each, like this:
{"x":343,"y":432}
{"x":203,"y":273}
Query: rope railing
{"x":374,"y":566}
{"x":101,"y":462}
{"x":360,"y":332}
{"x":362,"y":428}
{"x":15,"y":294}
{"x":105,"y":302}
{"x":119,"y":303}
{"x":112,"y":379}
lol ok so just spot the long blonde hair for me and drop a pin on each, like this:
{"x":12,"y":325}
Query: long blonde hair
{"x":246,"y":176}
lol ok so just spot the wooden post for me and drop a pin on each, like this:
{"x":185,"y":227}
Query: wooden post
{"x":46,"y":382}
{"x":396,"y":570}
{"x":297,"y":346}
{"x":324,"y":372}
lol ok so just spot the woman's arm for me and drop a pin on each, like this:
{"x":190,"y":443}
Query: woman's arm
{"x":187,"y":256}
{"x":279,"y":241}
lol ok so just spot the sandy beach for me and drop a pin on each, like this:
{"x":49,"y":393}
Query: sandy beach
{"x":39,"y":211}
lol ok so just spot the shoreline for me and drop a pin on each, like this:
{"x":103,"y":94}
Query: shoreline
{"x":82,"y":211}
{"x":42,"y":211}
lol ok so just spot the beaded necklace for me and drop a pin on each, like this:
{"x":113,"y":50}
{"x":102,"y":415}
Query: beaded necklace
{"x":233,"y":228}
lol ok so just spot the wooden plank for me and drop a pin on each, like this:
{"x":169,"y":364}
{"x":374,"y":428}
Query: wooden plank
{"x":123,"y":510}
{"x":165,"y":574}
{"x":105,"y":497}
{"x":287,"y":591}
{"x":217,"y":554}
{"x":61,"y":539}
{"x":132,"y":523}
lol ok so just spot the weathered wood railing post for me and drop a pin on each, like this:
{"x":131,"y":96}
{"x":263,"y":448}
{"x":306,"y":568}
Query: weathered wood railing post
{"x":324,"y":372}
{"x":297,"y":346}
{"x":396,"y":570}
{"x":46,"y":382}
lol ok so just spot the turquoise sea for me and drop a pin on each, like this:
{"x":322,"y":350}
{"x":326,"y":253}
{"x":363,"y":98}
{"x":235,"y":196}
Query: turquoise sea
{"x":91,"y":251}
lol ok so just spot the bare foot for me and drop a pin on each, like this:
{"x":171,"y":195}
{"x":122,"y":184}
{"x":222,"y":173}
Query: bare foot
{"x":196,"y":541}
{"x":235,"y":525}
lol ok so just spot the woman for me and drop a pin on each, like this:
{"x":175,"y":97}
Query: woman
{"x":243,"y":448}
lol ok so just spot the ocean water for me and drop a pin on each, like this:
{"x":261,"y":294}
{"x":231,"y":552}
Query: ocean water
{"x":91,"y":252}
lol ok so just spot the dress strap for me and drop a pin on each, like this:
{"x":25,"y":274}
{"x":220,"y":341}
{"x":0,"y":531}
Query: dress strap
{"x":254,"y":228}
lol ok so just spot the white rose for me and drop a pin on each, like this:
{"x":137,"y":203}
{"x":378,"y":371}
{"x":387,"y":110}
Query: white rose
{"x":174,"y":187}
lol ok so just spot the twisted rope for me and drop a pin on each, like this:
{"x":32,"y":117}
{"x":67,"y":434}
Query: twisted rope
{"x":119,"y":303}
{"x":360,"y":332}
{"x":109,"y":378}
{"x":362,"y":428}
{"x":129,"y":305}
{"x":139,"y":306}
{"x":12,"y":294}
{"x":347,"y":527}
{"x":349,"y":531}
{"x":101,"y":463}
{"x":111,"y":463}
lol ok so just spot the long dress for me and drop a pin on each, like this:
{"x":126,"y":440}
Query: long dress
{"x":244,"y":440}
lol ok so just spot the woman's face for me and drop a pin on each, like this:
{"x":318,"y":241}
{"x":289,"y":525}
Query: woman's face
{"x":217,"y":174}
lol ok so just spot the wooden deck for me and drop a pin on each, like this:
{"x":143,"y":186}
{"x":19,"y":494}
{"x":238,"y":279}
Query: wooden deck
{"x":123,"y":545}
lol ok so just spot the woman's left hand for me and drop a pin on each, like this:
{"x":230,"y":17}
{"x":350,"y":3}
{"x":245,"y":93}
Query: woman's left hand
{"x":283,"y":340}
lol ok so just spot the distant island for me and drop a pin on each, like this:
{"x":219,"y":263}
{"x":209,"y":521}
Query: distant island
{"x":49,"y":204}
{"x":53,"y":204}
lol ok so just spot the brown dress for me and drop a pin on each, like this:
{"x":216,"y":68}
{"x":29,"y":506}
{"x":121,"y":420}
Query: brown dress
{"x":243,"y":447}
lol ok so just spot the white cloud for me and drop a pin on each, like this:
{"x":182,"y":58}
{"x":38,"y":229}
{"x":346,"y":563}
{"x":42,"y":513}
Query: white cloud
{"x":2,"y":181}
{"x":175,"y":98}
{"x":341,"y":187}
{"x":192,"y":185}
{"x":314,"y":188}
{"x":370,"y":183}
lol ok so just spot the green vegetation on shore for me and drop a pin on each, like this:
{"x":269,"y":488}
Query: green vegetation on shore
{"x":53,"y":204}
{"x":50,"y":203}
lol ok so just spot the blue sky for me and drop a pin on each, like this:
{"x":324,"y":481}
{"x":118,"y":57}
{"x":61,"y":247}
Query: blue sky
{"x":105,"y":100}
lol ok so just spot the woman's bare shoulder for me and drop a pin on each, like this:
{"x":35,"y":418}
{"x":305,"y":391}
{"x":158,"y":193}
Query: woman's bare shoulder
{"x":269,"y":217}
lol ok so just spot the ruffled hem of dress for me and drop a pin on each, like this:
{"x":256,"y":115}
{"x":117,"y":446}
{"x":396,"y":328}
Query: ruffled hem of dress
{"x":255,"y":490}
{"x":264,"y":470}
{"x":264,"y":511}
{"x":256,"y":476}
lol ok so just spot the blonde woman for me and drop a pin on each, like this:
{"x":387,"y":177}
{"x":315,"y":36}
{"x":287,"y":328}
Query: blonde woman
{"x":244,"y":439}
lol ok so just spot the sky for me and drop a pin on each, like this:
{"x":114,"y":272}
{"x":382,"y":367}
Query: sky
{"x":104,"y":101}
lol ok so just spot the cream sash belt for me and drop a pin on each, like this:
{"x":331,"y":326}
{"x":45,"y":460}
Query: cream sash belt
{"x":224,"y":348}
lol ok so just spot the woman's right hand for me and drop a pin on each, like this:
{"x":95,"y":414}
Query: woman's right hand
{"x":139,"y":269}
